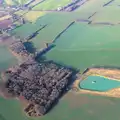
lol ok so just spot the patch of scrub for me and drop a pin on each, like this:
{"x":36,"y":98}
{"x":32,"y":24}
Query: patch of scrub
{"x":99,"y":83}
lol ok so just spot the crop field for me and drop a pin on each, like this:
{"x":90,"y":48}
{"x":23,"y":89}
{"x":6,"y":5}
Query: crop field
{"x":51,"y":4}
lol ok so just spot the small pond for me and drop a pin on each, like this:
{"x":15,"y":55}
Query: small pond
{"x":99,"y":83}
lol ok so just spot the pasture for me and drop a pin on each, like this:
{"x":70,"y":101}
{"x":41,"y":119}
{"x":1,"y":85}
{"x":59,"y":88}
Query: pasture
{"x":83,"y":46}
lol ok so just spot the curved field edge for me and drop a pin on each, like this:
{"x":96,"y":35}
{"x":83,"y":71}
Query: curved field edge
{"x":102,"y":72}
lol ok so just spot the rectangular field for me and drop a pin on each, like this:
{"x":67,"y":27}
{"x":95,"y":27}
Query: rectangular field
{"x":108,"y":14}
{"x":51,"y":4}
{"x":6,"y":58}
{"x":82,"y":46}
{"x":31,"y":16}
{"x":26,"y":30}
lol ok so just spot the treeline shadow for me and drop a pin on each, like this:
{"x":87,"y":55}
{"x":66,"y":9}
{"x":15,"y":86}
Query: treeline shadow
{"x":44,"y":51}
{"x":108,"y":3}
{"x":59,"y":35}
{"x":30,"y":47}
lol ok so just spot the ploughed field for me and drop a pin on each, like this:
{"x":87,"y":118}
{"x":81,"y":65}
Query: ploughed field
{"x":92,"y":40}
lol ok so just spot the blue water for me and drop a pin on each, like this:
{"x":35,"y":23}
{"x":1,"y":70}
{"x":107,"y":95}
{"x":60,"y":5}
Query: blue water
{"x":98,"y":83}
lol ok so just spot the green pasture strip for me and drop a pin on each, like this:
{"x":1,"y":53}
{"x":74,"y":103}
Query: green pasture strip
{"x":70,"y":107}
{"x":51,"y":4}
{"x":98,"y":83}
{"x":85,"y":37}
{"x":6,"y":58}
{"x":11,"y":110}
{"x":26,"y":29}
{"x":108,"y":14}
{"x":84,"y":59}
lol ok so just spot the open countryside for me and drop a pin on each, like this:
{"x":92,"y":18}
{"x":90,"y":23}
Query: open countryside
{"x":71,"y":48}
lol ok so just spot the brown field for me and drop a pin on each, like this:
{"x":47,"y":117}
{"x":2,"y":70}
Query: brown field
{"x":109,"y":73}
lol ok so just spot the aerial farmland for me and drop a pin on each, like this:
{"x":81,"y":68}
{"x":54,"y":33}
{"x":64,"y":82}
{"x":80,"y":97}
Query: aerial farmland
{"x":59,"y":59}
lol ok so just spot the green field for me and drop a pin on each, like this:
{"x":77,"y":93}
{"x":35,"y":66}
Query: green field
{"x":70,"y":107}
{"x":81,"y":46}
{"x":56,"y":23}
{"x":26,"y":30}
{"x":106,"y":15}
{"x":6,"y":58}
{"x":51,"y":4}
{"x":98,"y":83}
